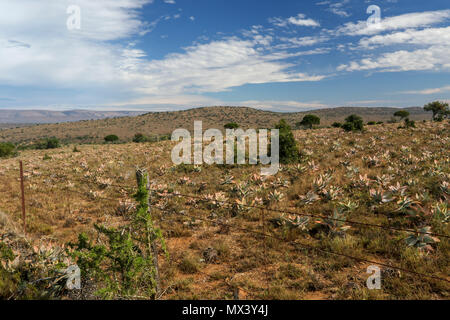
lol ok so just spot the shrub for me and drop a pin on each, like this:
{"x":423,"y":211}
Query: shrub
{"x":6,"y":149}
{"x":124,"y":261}
{"x":371,"y":123}
{"x":111,"y":138}
{"x":440,"y":110}
{"x":309,"y":120}
{"x":409,"y":123}
{"x":49,"y":143}
{"x":353,"y":123}
{"x":189,"y":265}
{"x":348,"y":126}
{"x":231,"y":125}
{"x":288,"y":148}
{"x":402,"y":114}
{"x":139,"y":138}
{"x":337,"y":125}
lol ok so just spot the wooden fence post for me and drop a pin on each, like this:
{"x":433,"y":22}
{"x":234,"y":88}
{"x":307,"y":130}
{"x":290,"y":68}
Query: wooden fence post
{"x":141,"y":174}
{"x":23,"y":198}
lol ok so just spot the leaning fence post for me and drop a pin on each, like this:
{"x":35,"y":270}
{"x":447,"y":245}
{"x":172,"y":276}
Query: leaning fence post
{"x":141,"y":174}
{"x":23,"y":197}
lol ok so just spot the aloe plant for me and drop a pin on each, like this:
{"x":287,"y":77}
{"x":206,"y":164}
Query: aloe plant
{"x":336,"y":223}
{"x":422,"y":239}
{"x":379,"y":196}
{"x":296,"y":222}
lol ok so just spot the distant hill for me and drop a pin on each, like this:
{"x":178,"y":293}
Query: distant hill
{"x":46,"y":116}
{"x":94,"y":131}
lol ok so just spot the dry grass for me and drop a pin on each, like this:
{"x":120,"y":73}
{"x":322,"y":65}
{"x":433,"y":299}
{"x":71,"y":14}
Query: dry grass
{"x":161,"y":123}
{"x":66,"y":195}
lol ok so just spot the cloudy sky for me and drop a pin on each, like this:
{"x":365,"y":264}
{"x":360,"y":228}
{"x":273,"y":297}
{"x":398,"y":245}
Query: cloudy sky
{"x":281,"y":55}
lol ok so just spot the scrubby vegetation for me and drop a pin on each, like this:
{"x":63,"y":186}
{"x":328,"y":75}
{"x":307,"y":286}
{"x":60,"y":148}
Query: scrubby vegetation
{"x":111,"y":138}
{"x":6,"y":149}
{"x":309,"y":121}
{"x":139,"y":138}
{"x":381,"y":176}
{"x":353,"y":123}
{"x":125,"y":264}
{"x":49,"y":143}
{"x":162,"y":123}
{"x":440,"y":110}
{"x":288,"y":147}
{"x":231,"y":125}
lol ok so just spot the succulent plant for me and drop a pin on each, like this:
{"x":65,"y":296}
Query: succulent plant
{"x":422,"y":239}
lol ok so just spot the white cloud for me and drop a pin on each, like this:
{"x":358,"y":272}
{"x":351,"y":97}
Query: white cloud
{"x":301,"y":41}
{"x":51,"y":55}
{"x":170,"y":1}
{"x":432,"y":58}
{"x":428,"y":91}
{"x":217,"y":66}
{"x":427,"y":46}
{"x":103,"y":63}
{"x":337,"y":7}
{"x":429,"y":36}
{"x":299,"y":20}
{"x":404,"y":21}
{"x":284,"y":106}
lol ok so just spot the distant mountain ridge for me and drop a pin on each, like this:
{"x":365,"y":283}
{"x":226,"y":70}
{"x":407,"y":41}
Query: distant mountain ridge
{"x":48,"y":116}
{"x":161,"y":123}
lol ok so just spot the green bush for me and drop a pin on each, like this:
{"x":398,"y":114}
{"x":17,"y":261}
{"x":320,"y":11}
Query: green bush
{"x":409,"y":123}
{"x":6,"y":149}
{"x":139,"y":138}
{"x":288,"y":148}
{"x":371,"y":123}
{"x":231,"y":125}
{"x":309,"y":120}
{"x":49,"y":143}
{"x":353,"y":123}
{"x":348,"y":126}
{"x":111,"y":138}
{"x":336,"y":125}
{"x":124,"y":261}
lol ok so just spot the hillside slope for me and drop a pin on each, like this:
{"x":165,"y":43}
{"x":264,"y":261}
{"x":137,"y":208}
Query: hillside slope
{"x":166,"y":122}
{"x":49,"y":116}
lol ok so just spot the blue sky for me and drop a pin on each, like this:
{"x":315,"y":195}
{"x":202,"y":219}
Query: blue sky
{"x":174,"y":54}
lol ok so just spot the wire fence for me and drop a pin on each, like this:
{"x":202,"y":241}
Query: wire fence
{"x":264,"y":233}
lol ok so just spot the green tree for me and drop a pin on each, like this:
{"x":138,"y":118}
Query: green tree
{"x":440,"y":110}
{"x":288,"y":147}
{"x":111,"y":138}
{"x":309,"y":120}
{"x":402,"y":114}
{"x":353,"y":123}
{"x":231,"y":125}
{"x":336,"y":125}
